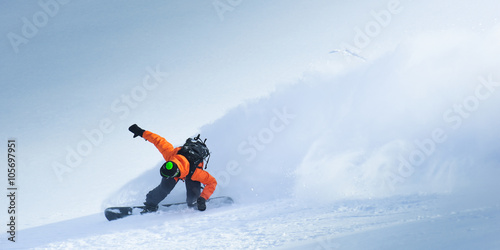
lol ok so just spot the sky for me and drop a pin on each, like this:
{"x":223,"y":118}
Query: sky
{"x":85,"y":71}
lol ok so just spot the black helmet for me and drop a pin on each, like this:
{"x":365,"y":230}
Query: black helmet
{"x":169,"y":169}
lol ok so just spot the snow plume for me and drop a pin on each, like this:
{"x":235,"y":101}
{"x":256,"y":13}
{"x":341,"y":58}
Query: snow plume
{"x":420,"y":119}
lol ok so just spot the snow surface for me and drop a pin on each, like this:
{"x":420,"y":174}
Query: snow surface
{"x":391,"y":142}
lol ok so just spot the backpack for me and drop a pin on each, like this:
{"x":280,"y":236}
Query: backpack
{"x":195,"y":150}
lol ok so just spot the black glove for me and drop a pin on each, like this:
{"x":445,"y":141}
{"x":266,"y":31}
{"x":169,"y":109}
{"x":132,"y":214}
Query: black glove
{"x":201,"y":203}
{"x":136,"y":130}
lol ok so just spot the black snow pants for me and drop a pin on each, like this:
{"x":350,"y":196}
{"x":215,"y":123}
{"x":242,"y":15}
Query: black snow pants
{"x":193,"y":191}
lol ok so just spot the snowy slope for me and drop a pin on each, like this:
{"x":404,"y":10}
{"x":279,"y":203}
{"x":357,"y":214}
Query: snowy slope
{"x":391,"y":142}
{"x":409,"y":222}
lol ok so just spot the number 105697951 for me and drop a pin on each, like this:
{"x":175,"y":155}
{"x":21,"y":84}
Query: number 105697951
{"x":11,"y":161}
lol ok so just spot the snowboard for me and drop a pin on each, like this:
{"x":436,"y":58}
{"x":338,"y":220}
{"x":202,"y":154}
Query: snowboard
{"x":114,"y":213}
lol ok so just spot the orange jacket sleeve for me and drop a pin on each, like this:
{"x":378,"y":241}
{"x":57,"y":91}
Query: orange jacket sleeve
{"x":165,"y":147}
{"x":205,"y":178}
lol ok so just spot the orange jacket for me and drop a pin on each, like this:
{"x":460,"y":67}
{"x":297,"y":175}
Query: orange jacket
{"x":170,"y":154}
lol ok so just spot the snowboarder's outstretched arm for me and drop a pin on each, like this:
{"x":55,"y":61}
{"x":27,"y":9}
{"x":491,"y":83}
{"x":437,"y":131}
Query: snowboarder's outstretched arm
{"x":165,"y":147}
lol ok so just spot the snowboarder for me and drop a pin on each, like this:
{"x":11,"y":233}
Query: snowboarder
{"x":177,"y":167}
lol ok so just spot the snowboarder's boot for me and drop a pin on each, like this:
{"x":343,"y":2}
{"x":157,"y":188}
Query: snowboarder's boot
{"x":149,"y":208}
{"x":200,"y":203}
